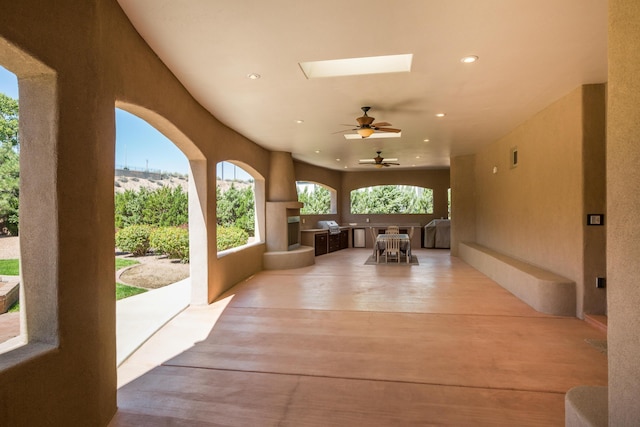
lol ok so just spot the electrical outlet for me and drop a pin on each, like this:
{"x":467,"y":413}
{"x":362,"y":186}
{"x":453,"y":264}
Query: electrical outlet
{"x":601,"y":282}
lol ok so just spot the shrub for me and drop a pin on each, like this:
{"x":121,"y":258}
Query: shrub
{"x":134,"y":239}
{"x":173,"y":241}
{"x":231,"y":237}
{"x":161,"y":207}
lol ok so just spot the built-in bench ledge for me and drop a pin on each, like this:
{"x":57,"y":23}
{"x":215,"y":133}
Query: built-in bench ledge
{"x":543,"y":290}
{"x":586,"y":406}
{"x":286,"y":260}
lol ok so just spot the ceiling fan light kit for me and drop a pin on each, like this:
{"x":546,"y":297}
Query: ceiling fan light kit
{"x":365,"y":132}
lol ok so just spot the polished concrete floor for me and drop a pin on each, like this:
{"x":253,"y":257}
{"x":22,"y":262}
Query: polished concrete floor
{"x":341,"y":343}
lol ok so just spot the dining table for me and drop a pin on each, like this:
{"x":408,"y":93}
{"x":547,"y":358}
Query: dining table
{"x":379,"y":245}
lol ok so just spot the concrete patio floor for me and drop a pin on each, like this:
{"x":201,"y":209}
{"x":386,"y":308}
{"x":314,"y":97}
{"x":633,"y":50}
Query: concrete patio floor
{"x":341,"y":343}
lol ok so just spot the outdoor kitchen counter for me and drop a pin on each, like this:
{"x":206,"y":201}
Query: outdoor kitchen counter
{"x":372,"y":229}
{"x":323,"y":242}
{"x":308,"y":235}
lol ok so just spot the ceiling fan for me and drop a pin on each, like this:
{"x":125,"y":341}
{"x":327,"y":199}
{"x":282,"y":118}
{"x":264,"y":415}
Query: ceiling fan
{"x":379,"y":162}
{"x":366,"y":127}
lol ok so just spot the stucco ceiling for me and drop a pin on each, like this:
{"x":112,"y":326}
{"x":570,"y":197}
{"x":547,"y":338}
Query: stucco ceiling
{"x":531,"y":52}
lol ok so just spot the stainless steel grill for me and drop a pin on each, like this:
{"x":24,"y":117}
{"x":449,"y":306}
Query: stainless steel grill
{"x":332,"y":226}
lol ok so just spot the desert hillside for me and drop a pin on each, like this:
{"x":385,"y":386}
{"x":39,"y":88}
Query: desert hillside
{"x":123,"y":182}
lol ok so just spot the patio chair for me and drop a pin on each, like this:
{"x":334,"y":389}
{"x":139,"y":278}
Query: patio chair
{"x":392,"y":248}
{"x":392,"y":229}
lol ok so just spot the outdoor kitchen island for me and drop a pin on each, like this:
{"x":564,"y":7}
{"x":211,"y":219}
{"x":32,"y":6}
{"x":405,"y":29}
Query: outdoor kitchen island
{"x":324,"y":240}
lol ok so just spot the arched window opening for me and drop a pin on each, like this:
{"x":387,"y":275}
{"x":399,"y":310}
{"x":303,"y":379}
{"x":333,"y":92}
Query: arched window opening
{"x":392,"y":199}
{"x":318,"y":199}
{"x":29,"y":224}
{"x":237,"y":222}
{"x":9,"y":201}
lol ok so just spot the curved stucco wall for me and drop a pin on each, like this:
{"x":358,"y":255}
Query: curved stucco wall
{"x":99,"y":61}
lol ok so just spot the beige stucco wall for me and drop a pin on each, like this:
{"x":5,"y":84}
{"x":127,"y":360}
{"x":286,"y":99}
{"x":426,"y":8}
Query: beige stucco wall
{"x":623,"y":205}
{"x":536,"y":211}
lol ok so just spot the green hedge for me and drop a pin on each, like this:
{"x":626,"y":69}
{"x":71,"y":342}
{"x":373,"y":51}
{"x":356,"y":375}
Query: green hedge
{"x":134,"y":239}
{"x":231,"y":237}
{"x":173,"y":241}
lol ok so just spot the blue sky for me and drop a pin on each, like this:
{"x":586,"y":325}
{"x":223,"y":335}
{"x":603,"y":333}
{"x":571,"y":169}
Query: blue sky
{"x":8,"y":83}
{"x":138,"y":144}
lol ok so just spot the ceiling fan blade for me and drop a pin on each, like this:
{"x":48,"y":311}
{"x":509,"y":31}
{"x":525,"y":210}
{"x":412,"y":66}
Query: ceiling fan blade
{"x":380,"y":124}
{"x":367,"y":162}
{"x":391,"y":163}
{"x":389,"y":130}
{"x":342,"y":131}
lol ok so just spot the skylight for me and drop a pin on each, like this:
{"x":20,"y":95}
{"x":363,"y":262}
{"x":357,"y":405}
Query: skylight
{"x":376,"y":135}
{"x":357,"y":66}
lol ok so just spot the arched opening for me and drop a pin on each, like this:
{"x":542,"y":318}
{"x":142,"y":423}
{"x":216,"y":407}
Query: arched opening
{"x":36,"y":146}
{"x":240,"y":205}
{"x":392,"y":199}
{"x":9,"y":202}
{"x":318,"y":199}
{"x":159,"y":193}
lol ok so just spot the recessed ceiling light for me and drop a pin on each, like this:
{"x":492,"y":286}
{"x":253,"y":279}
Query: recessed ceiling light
{"x":337,"y":160}
{"x":299,"y":121}
{"x":346,"y":167}
{"x":469,"y":59}
{"x":317,"y":151}
{"x":417,"y":157}
{"x":253,"y":76}
{"x":357,"y":66}
{"x":440,"y":115}
{"x":376,"y":135}
{"x":425,"y":140}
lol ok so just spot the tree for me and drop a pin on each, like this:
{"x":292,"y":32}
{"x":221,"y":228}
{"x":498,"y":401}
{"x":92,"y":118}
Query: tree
{"x":235,"y":208}
{"x":316,"y":201}
{"x":163,"y":207}
{"x":9,"y":163}
{"x":166,"y":207}
{"x":392,"y":199}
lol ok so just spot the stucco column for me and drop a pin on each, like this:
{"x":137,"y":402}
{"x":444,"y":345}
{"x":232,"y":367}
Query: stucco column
{"x":463,"y":201}
{"x":623,"y":205}
{"x":202,"y":226}
{"x":282,"y":178}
